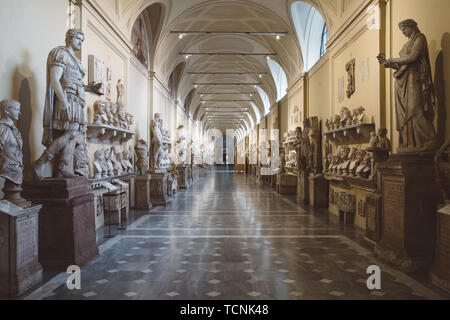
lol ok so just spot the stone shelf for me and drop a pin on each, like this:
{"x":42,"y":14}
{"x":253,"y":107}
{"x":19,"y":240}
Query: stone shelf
{"x":353,"y":182}
{"x":109,"y":134}
{"x":356,"y":134}
{"x":127,"y":176}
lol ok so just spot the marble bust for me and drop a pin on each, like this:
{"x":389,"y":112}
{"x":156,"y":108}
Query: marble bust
{"x":11,"y":143}
{"x":100,"y":165}
{"x":126,"y":163}
{"x":100,"y":116}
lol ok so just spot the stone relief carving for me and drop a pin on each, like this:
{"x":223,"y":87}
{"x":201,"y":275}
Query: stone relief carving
{"x":351,"y":85}
{"x":64,"y":122}
{"x":346,"y":202}
{"x":415,"y":99}
{"x":160,"y":144}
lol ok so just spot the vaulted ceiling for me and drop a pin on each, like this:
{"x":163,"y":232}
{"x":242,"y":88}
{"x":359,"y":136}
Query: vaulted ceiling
{"x":213,"y":53}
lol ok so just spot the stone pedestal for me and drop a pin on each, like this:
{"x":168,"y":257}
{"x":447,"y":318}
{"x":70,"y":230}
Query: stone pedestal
{"x":158,"y":188}
{"x":66,"y":222}
{"x":190,"y":174}
{"x":183,"y":177}
{"x":287,"y":184}
{"x":202,"y":172}
{"x":373,"y":209}
{"x":19,"y":265}
{"x":318,"y":191}
{"x":440,"y":274}
{"x":408,"y":226}
{"x":303,"y":187}
{"x":142,"y":190}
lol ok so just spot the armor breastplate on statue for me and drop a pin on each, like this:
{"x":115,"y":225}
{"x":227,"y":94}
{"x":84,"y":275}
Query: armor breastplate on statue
{"x":11,"y":157}
{"x":73,"y":84}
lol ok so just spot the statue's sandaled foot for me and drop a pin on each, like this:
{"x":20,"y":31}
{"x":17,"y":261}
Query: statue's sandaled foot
{"x":38,"y":171}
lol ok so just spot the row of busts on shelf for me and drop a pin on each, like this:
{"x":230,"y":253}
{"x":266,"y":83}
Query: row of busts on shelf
{"x":289,"y":137}
{"x":350,"y":162}
{"x":112,"y":162}
{"x":346,"y":118}
{"x":112,"y":114}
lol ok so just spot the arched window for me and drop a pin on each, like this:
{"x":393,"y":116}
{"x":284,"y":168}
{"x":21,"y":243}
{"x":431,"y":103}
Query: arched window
{"x":257,"y":113}
{"x":265,"y":100}
{"x":312,"y":32}
{"x":279,"y":76}
{"x":323,"y":47}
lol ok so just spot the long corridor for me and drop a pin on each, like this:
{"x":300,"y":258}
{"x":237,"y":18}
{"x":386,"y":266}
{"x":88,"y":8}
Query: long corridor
{"x":228,"y":237}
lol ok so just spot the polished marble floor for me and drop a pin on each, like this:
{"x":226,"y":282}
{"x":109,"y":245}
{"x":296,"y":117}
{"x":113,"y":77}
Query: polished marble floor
{"x":229,"y":237}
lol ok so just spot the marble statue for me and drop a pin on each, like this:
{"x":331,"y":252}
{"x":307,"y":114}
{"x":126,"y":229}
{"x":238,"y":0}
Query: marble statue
{"x":120,"y":93}
{"x":101,"y":169}
{"x":314,"y":160}
{"x":415,"y":100}
{"x":100,"y":116}
{"x":298,"y":147}
{"x":157,"y":141}
{"x":142,"y":153}
{"x":65,"y":103}
{"x":365,"y":167}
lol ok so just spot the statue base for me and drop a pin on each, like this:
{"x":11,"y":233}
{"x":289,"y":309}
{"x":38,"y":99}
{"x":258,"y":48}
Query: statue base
{"x":408,"y":222}
{"x":66,"y":223}
{"x":303,"y":188}
{"x":440,"y":273}
{"x":13,"y":192}
{"x":203,"y":172}
{"x":183,"y":177}
{"x":287,"y":184}
{"x":19,"y":265}
{"x":318,"y":191}
{"x":142,"y":192}
{"x":159,"y":195}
